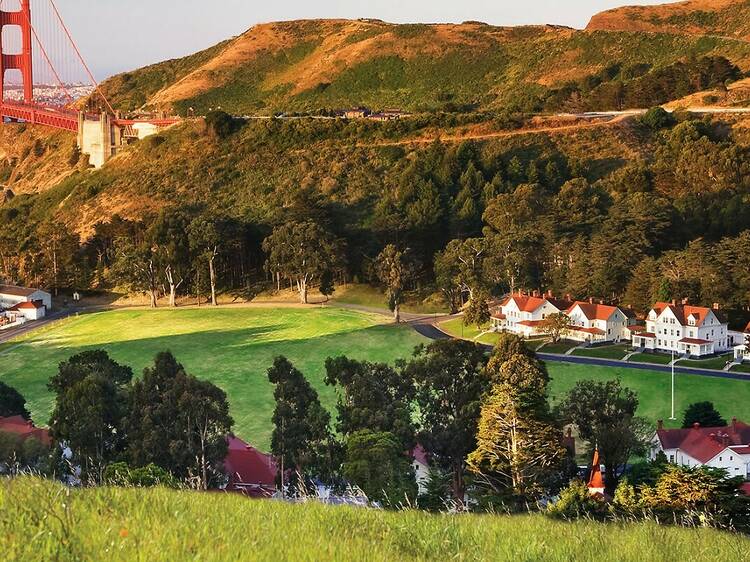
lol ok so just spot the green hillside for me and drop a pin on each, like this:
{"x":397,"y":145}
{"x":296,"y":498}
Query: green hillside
{"x":312,"y":65}
{"x":43,"y":521}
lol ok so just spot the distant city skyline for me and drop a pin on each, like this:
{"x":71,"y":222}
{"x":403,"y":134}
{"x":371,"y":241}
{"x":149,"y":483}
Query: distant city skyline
{"x":118,"y":36}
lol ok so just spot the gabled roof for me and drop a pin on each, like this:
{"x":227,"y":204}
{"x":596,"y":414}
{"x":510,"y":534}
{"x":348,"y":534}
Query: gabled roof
{"x":596,"y":482}
{"x":684,"y":312}
{"x":27,"y":305}
{"x":249,"y":470}
{"x":594,"y":331}
{"x":525,"y":303}
{"x":594,"y":311}
{"x":704,"y":443}
{"x":694,"y":341}
{"x":16,"y":291}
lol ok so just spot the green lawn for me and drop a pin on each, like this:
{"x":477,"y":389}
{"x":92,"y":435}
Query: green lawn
{"x":656,"y":358}
{"x":366,"y":295}
{"x":45,"y":521}
{"x":604,"y":352}
{"x":744,"y":368}
{"x":455,"y":327}
{"x":232,"y":347}
{"x":731,"y":397}
{"x":561,"y":347}
{"x":717,"y":363}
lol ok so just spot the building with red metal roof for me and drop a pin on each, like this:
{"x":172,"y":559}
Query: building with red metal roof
{"x":725,"y":447}
{"x":250,"y":471}
{"x":25,"y":429}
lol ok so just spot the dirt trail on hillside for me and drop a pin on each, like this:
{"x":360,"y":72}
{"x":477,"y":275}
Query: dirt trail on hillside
{"x":499,"y":134}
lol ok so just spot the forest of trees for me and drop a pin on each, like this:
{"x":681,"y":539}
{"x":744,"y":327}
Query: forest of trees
{"x":458,"y":219}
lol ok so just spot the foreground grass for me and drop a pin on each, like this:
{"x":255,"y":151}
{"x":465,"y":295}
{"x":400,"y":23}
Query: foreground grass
{"x":43,"y":521}
{"x":231,"y":347}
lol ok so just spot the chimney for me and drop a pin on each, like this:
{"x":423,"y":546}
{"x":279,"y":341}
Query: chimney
{"x":734,"y":424}
{"x":717,"y":306}
{"x":725,"y":440}
{"x":601,"y":301}
{"x":674,"y":302}
{"x":660,"y":424}
{"x":685,"y":301}
{"x":591,"y":300}
{"x":536,"y":293}
{"x":696,"y":425}
{"x":550,"y":294}
{"x":568,"y":297}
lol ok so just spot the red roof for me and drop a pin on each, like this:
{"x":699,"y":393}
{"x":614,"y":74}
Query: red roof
{"x":24,"y":428}
{"x":531,"y":323}
{"x":637,"y":328}
{"x":499,"y":316}
{"x":525,"y":303}
{"x":594,"y":331}
{"x":595,"y":479}
{"x":648,"y":335}
{"x":704,"y":443}
{"x":594,"y":311}
{"x":694,"y":341}
{"x":28,"y":305}
{"x":683,"y":312}
{"x":250,"y":471}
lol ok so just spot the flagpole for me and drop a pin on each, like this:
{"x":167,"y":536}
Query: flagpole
{"x":672,"y":418}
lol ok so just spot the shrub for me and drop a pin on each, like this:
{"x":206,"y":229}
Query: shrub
{"x":657,"y":118}
{"x":120,"y":474}
{"x":574,"y":502}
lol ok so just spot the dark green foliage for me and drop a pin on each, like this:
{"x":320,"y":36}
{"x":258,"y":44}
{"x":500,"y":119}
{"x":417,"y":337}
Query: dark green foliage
{"x":19,"y":455}
{"x":120,"y":474}
{"x":658,"y":118}
{"x":91,"y":404}
{"x":12,"y":403}
{"x":703,"y":413}
{"x":178,"y":422}
{"x":373,"y":397}
{"x":221,"y":124}
{"x":450,"y":381}
{"x":375,"y":462}
{"x":604,"y":413}
{"x":301,"y":438}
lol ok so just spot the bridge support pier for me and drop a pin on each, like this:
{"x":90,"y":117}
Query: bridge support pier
{"x":96,"y":138}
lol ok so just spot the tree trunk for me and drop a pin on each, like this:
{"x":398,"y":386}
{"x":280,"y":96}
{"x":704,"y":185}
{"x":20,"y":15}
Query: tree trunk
{"x":153,"y":296}
{"x":397,"y":313}
{"x":303,"y":291}
{"x":459,"y":490}
{"x":212,"y":276}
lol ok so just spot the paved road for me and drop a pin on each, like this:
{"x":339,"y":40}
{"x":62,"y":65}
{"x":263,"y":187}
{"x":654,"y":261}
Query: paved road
{"x":11,"y":333}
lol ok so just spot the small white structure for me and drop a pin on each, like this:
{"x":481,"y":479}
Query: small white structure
{"x":685,"y":330}
{"x":597,"y":323}
{"x":29,"y":310}
{"x":421,"y":466}
{"x":11,"y":295}
{"x":718,"y":447}
{"x":524,"y":314}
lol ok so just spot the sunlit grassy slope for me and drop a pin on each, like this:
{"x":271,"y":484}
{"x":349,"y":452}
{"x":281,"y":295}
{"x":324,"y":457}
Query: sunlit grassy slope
{"x":42,"y":521}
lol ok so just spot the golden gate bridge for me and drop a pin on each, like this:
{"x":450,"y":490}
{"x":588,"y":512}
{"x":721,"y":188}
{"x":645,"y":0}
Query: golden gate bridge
{"x":36,"y":48}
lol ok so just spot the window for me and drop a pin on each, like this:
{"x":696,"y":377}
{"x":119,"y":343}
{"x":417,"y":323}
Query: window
{"x":671,"y":458}
{"x":720,"y":459}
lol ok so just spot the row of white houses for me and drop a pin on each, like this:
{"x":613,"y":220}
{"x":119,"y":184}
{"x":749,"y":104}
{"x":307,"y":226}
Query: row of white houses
{"x":670,"y":327}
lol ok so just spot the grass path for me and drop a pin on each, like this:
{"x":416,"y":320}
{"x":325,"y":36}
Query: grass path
{"x":232,"y":347}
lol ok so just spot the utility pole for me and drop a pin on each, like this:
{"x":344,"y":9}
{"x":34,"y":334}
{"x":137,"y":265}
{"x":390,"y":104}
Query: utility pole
{"x":672,"y":363}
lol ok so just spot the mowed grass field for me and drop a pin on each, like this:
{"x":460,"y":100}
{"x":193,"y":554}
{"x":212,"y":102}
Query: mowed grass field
{"x":731,"y":397}
{"x":231,"y":347}
{"x":44,"y":521}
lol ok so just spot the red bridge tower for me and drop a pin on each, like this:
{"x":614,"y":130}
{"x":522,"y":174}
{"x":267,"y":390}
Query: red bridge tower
{"x":20,"y":61}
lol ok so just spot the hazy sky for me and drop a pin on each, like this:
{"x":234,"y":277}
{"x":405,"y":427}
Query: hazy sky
{"x":118,"y":35}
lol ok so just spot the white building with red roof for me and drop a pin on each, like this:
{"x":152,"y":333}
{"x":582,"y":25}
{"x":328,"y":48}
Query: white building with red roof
{"x":598,"y":323}
{"x":717,"y":447}
{"x":23,"y":302}
{"x":685,"y":330}
{"x":524,"y":314}
{"x":250,"y":471}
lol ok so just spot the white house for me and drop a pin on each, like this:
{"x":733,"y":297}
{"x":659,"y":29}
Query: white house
{"x":686,"y":330}
{"x":421,"y":466}
{"x":595,"y":323}
{"x":34,"y":310}
{"x":524,"y":314}
{"x":718,"y":447}
{"x":11,"y":295}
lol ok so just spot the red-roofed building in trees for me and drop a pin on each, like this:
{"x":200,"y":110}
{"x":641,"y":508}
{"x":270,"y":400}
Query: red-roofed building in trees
{"x":598,"y":323}
{"x":524,"y":314}
{"x":250,"y":471}
{"x":718,"y":447}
